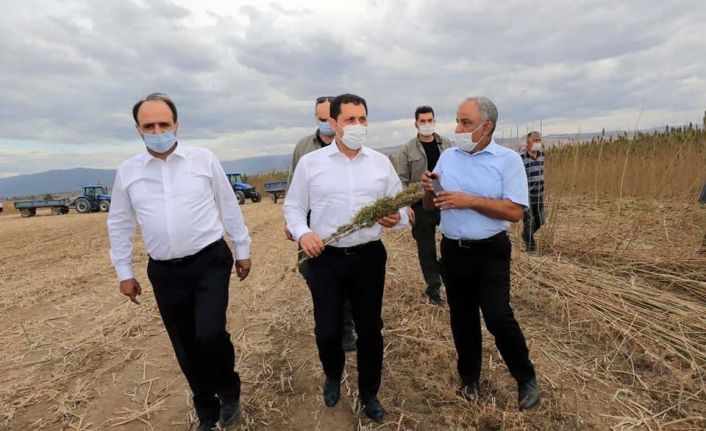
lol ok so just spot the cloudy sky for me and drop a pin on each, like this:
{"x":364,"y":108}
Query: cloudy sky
{"x":245,"y":73}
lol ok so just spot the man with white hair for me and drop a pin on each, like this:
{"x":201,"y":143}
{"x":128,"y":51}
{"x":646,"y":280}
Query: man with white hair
{"x":480,"y":188}
{"x":533,"y":219}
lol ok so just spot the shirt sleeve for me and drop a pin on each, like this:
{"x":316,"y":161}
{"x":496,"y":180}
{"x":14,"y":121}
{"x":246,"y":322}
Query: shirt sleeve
{"x":121,"y":229}
{"x":296,"y":202}
{"x":515,"y":181}
{"x":231,"y":216}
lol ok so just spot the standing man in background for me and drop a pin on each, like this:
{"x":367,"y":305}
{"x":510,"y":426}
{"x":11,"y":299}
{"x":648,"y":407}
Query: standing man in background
{"x":182,"y":201}
{"x":321,"y":138}
{"x":484,"y":190}
{"x":332,"y":185}
{"x":533,"y":158}
{"x":418,"y":155}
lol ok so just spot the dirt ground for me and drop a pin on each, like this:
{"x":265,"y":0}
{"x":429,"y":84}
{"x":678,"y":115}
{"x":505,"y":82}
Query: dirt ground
{"x":77,"y":355}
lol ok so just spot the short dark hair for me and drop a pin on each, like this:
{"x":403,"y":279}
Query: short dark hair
{"x":339,"y":100}
{"x":422,"y":110}
{"x":155,"y":96}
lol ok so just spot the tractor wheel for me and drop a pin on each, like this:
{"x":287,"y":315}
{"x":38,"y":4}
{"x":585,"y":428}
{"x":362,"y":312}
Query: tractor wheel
{"x":83,"y":206}
{"x":241,"y":197}
{"x":257,"y":198}
{"x":55,"y":210}
{"x":104,"y":206}
{"x":25,"y":212}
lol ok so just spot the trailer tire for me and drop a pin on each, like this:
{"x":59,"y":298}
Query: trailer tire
{"x":83,"y":206}
{"x":104,"y":206}
{"x":25,"y":212}
{"x":55,"y":210}
{"x":64,"y":210}
{"x":241,"y":197}
{"x":274,"y":197}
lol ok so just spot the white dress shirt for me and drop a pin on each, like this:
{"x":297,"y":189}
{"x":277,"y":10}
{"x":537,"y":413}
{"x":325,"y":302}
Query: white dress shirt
{"x":182,"y":204}
{"x":334,"y":188}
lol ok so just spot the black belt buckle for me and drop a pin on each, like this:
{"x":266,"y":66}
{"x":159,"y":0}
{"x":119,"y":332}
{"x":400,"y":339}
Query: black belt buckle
{"x":351,"y":251}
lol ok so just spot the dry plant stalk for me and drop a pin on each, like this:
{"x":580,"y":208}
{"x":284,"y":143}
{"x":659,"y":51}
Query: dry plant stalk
{"x":370,"y":214}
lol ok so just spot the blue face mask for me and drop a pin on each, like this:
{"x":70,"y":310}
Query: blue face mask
{"x":160,"y":143}
{"x":325,"y":129}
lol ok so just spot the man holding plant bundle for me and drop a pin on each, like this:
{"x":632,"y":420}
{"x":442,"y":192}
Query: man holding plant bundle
{"x":418,"y":155}
{"x":480,"y":187}
{"x":321,"y":138}
{"x":334,"y":183}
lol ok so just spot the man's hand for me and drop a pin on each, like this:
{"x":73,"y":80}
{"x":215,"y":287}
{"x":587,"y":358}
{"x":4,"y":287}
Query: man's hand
{"x":311,"y":244}
{"x":453,"y":200}
{"x":390,"y":220}
{"x":410,"y":215}
{"x":427,"y":178}
{"x":131,"y":288}
{"x":242,"y":268}
{"x":288,"y":234}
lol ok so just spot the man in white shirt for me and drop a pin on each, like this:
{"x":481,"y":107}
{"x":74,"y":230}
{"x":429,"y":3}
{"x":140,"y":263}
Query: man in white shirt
{"x":333,"y":183}
{"x":182,"y":201}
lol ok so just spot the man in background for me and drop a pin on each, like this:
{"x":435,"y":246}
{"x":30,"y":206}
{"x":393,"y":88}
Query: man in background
{"x":533,"y":219}
{"x":321,"y":138}
{"x":418,"y":155}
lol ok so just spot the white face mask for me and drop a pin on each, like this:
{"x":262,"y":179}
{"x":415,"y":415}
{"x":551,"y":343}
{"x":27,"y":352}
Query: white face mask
{"x":426,"y":130}
{"x":355,"y":136}
{"x":537,"y":146}
{"x":465,"y":141}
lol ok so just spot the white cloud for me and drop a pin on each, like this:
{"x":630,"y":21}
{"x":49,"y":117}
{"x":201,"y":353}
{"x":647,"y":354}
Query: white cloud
{"x":244,"y":74}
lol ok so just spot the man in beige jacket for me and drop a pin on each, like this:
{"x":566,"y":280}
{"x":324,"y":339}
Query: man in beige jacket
{"x":418,"y":155}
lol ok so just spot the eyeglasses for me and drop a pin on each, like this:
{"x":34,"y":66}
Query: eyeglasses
{"x":323,"y":99}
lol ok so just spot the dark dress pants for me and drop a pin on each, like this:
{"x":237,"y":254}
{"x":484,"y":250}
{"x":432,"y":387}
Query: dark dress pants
{"x":424,"y":233}
{"x":532,"y":220}
{"x":360,"y":276}
{"x":477,"y":278}
{"x":192,"y":296}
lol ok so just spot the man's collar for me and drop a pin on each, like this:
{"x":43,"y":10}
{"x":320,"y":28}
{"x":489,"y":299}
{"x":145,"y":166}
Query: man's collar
{"x":491,"y":148}
{"x":146,"y":157}
{"x":332,"y":149}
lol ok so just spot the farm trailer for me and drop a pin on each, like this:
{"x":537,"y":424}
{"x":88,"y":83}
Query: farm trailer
{"x":94,"y":198}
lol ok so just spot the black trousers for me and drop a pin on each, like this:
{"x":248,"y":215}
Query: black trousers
{"x":192,"y":296}
{"x":424,"y":233}
{"x":477,"y":278}
{"x":358,"y":274}
{"x":532,"y":220}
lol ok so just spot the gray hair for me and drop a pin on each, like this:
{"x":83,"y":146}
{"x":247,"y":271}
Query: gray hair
{"x":533,"y":133}
{"x":488,"y":110}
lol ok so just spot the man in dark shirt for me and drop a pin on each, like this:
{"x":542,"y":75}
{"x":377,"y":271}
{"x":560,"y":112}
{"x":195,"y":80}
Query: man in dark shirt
{"x":418,"y":155}
{"x":533,"y":158}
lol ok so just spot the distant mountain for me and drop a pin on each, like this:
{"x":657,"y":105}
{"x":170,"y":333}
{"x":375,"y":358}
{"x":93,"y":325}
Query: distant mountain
{"x":71,"y":180}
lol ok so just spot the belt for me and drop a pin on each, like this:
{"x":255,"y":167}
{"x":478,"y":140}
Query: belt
{"x":470,"y":243}
{"x":186,"y":259}
{"x":351,"y":251}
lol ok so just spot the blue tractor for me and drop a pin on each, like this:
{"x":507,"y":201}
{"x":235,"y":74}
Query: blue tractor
{"x":242,"y":189}
{"x":95,"y":198}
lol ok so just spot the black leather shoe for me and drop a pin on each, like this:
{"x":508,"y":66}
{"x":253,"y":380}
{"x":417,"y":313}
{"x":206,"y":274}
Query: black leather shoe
{"x":528,"y":398}
{"x":373,"y":409}
{"x":469,"y":391}
{"x":230,"y":411}
{"x":434,"y":296}
{"x":348,"y":339}
{"x":332,"y":392}
{"x":206,"y":426}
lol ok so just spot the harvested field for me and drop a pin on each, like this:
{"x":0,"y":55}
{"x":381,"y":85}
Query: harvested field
{"x":614,"y":310}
